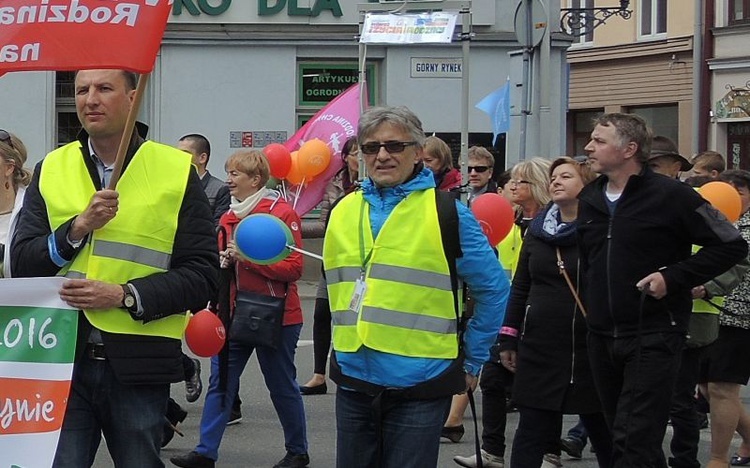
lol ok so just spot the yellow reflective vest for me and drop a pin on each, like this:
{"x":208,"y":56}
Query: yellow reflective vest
{"x":138,"y":241}
{"x":407,"y":308}
{"x":509,"y":250}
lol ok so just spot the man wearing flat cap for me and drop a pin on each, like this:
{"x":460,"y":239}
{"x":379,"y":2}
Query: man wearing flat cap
{"x":666,"y":159}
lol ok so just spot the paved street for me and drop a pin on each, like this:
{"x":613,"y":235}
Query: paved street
{"x":258,"y":441}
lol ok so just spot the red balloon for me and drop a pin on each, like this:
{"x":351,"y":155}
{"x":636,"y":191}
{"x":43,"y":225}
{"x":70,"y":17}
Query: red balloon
{"x":279,"y":158}
{"x":495,"y":216}
{"x":205,"y":334}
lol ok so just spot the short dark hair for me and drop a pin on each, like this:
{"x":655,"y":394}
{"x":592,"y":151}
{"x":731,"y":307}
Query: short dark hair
{"x":131,"y":79}
{"x":200,"y":142}
{"x":737,"y":177}
{"x":347,"y":148}
{"x":629,"y":128}
{"x":503,"y":178}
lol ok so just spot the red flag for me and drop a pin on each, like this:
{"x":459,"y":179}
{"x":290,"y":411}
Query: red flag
{"x":78,"y":34}
{"x":334,"y":124}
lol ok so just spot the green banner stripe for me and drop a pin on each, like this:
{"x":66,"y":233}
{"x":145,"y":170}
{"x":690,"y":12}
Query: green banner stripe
{"x":37,"y":334}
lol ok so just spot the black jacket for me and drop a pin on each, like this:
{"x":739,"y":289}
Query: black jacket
{"x":189,"y":284}
{"x":553,"y":371}
{"x":655,"y":223}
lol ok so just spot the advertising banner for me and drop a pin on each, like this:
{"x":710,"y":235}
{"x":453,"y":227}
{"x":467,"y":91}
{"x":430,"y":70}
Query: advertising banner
{"x":37,"y":347}
{"x":417,"y":28}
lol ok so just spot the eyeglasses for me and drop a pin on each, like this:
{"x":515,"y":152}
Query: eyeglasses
{"x":477,"y":169}
{"x":392,"y":147}
{"x":516,"y":183}
{"x":5,"y":138}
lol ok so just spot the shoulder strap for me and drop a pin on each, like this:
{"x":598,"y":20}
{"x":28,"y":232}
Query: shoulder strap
{"x":448,"y":220}
{"x":564,"y":272}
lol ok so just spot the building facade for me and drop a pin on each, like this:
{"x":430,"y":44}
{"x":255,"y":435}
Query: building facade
{"x":642,"y":65}
{"x":250,"y":72}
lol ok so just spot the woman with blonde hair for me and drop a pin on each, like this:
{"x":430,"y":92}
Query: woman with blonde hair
{"x":247,"y":174}
{"x":13,"y":181}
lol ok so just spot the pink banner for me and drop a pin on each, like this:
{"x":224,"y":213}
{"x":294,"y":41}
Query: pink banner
{"x":334,"y":124}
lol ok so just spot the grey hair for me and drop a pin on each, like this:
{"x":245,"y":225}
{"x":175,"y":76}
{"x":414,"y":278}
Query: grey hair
{"x":629,"y":128}
{"x":401,"y":117}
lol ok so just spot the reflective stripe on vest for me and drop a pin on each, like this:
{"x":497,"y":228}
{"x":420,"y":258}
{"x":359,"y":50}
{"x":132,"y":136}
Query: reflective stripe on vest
{"x":408,"y":305}
{"x":138,"y":241}
{"x":702,"y":307}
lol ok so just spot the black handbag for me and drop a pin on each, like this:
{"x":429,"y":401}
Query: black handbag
{"x":257,"y":319}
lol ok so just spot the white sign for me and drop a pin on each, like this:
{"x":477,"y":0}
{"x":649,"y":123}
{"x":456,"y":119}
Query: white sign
{"x":423,"y":67}
{"x":420,"y":28}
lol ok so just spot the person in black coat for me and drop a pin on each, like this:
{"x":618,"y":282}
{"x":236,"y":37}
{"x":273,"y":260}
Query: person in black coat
{"x":543,"y":339}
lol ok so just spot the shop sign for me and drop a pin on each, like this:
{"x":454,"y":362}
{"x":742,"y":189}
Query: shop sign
{"x":734,"y":105}
{"x":321,"y":83}
{"x":436,"y":67}
{"x":265,"y":7}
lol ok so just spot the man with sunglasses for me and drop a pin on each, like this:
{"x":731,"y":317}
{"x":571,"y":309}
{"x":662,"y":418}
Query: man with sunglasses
{"x":479,"y":168}
{"x":398,"y":356}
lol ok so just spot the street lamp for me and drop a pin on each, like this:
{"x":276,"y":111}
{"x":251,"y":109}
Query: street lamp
{"x":581,"y":21}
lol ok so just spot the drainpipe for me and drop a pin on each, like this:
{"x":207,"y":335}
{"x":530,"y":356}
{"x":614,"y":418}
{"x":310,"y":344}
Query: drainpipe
{"x":698,"y":61}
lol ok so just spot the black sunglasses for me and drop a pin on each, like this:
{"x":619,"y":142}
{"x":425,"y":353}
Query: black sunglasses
{"x":477,"y":169}
{"x":5,"y":138}
{"x":392,"y":147}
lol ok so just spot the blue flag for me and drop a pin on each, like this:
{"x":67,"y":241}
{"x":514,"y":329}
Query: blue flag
{"x":497,"y":106}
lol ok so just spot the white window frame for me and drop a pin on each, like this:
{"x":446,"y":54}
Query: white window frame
{"x":654,"y":20}
{"x":582,"y":41}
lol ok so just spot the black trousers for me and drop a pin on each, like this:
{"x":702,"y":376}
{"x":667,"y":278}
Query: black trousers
{"x":685,"y":423}
{"x":539,"y":432}
{"x":493,"y":382}
{"x":634,"y":377}
{"x":321,"y":335}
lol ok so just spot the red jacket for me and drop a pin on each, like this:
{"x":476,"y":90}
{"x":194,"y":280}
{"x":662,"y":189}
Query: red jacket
{"x":271,"y":280}
{"x":451,"y":180}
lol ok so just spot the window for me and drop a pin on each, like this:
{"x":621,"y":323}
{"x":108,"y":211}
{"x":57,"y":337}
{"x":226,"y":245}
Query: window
{"x":582,"y":124}
{"x":739,"y":11}
{"x":663,"y":120}
{"x":653,"y":19}
{"x":586,"y":21}
{"x":68,"y":125}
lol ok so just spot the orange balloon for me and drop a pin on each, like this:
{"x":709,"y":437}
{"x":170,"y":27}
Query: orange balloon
{"x":314,"y":158}
{"x":723,"y":197}
{"x":295,"y":176}
{"x":205,"y":334}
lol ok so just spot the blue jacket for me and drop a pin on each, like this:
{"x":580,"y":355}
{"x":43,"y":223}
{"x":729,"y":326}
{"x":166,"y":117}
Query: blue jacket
{"x":478,"y":267}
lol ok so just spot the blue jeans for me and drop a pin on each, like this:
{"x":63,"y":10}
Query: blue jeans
{"x":130,"y":416}
{"x":579,"y":433}
{"x":410,"y":432}
{"x":277,"y":366}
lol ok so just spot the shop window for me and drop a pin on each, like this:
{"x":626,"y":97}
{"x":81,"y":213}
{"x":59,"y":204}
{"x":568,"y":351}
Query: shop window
{"x":663,"y":120}
{"x":587,"y":19}
{"x":67,"y":124}
{"x":653,"y":19}
{"x":739,"y":11}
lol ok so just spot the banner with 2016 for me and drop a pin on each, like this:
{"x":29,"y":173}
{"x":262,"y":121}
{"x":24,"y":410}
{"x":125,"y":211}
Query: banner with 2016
{"x":37,"y":348}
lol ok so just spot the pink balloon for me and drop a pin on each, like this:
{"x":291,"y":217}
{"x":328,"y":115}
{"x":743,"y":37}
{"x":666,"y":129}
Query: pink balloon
{"x":495,"y":215}
{"x":205,"y":334}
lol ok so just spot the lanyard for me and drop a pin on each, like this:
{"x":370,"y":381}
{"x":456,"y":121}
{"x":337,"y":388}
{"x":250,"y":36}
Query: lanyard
{"x":365,"y":259}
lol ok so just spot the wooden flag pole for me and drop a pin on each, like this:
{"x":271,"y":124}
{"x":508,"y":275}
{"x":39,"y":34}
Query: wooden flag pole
{"x":127,"y":134}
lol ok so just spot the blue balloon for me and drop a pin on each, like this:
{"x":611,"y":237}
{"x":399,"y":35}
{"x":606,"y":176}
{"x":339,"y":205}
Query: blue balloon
{"x":262,"y":239}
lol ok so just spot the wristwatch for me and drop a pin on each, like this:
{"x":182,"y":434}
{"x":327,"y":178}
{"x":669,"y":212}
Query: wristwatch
{"x":129,"y":302}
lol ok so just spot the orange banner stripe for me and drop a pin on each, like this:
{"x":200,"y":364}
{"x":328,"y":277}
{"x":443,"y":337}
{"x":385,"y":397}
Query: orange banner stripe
{"x":30,"y":406}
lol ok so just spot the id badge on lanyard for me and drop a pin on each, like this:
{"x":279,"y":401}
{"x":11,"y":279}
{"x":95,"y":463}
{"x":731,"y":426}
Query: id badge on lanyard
{"x":360,"y":288}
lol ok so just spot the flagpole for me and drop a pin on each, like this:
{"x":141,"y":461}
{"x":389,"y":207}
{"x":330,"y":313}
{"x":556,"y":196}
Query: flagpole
{"x":127,"y":134}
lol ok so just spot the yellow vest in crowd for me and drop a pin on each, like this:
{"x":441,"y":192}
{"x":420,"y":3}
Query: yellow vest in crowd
{"x":408,"y":307}
{"x":509,"y":250}
{"x":138,"y":242}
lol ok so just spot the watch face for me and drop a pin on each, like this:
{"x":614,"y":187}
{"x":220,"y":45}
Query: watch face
{"x":129,"y":301}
